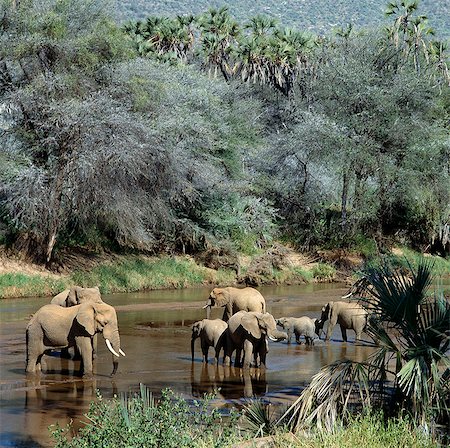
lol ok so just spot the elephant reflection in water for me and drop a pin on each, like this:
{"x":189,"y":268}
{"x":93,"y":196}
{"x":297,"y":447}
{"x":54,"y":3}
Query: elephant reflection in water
{"x":227,"y":382}
{"x":46,"y":404}
{"x":331,"y":353}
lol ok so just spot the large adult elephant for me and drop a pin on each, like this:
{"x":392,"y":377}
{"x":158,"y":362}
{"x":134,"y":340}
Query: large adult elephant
{"x":348,"y":315}
{"x":212,"y":334}
{"x":77,"y":295}
{"x":235,"y":300}
{"x":53,"y":326}
{"x":248,"y":332}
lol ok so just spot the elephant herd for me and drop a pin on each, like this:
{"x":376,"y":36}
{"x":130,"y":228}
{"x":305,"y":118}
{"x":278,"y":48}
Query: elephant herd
{"x":75,"y":317}
{"x":246,"y":326}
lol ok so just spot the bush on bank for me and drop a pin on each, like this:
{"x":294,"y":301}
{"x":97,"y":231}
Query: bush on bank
{"x":141,"y":420}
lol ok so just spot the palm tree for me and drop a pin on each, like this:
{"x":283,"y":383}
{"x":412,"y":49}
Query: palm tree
{"x":218,"y":33}
{"x":409,"y":371}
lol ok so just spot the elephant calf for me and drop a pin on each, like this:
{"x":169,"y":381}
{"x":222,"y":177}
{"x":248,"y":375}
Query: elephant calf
{"x":300,"y":326}
{"x":212,"y":334}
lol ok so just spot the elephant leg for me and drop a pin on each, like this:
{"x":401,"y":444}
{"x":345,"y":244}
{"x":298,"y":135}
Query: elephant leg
{"x":344,"y":333}
{"x":228,"y":350}
{"x":84,"y":345}
{"x":263,"y":350}
{"x":308,"y":340}
{"x":330,"y":327}
{"x":289,"y":336}
{"x":94,"y":346}
{"x":248,"y":352}
{"x":205,"y":349}
{"x":297,"y":337}
{"x":237,"y":359}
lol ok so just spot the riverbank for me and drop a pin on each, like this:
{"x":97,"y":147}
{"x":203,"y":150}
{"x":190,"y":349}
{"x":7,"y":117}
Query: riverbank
{"x":115,"y":273}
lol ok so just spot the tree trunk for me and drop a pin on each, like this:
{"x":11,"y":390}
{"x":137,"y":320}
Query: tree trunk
{"x":344,"y":199}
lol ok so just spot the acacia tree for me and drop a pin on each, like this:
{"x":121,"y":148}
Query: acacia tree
{"x":124,"y":152}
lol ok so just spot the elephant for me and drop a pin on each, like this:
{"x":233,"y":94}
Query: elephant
{"x":247,"y":332}
{"x":349,"y":315}
{"x":300,"y":326}
{"x":234,"y":300}
{"x":53,"y":326}
{"x":212,"y":334}
{"x":77,"y":295}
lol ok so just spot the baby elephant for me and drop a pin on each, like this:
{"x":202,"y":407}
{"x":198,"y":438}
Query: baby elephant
{"x":300,"y":326}
{"x":212,"y":334}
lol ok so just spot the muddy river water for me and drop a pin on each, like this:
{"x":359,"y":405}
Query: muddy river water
{"x":155,"y":334}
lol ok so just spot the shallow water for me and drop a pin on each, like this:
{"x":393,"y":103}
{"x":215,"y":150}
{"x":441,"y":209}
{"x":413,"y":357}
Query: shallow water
{"x":155,"y":334}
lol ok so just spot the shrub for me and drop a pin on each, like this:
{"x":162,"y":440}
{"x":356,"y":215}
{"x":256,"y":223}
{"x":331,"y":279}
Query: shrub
{"x":141,"y":420}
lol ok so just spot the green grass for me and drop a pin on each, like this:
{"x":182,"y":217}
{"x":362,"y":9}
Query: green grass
{"x":23,"y":285}
{"x":136,"y":273}
{"x":369,"y":431}
{"x":324,"y":272}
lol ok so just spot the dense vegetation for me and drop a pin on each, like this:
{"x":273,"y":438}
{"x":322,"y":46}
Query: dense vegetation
{"x":186,"y":134}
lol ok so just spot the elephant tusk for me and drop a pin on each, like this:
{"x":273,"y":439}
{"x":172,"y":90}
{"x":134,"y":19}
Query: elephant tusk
{"x":109,"y":345}
{"x":206,"y":306}
{"x":122,"y":352}
{"x":347,"y":295}
{"x":273,"y":339}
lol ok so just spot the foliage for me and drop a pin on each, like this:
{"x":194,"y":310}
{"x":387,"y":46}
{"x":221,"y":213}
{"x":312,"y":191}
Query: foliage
{"x":371,"y":430}
{"x":324,"y":272}
{"x":173,"y":134}
{"x":136,"y":273}
{"x":117,"y":148}
{"x":350,"y":158}
{"x":24,"y":285}
{"x":142,"y":420}
{"x":409,"y":370}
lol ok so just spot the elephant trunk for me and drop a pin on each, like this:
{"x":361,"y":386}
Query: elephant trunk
{"x":276,"y":335}
{"x":208,"y":307}
{"x":112,"y":340}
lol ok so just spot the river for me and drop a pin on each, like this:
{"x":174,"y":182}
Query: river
{"x":155,"y":334}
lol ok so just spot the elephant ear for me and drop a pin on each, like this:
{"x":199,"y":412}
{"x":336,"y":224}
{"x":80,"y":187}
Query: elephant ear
{"x":330,"y":309}
{"x":250,"y":323}
{"x":86,"y":317}
{"x":219,"y":297}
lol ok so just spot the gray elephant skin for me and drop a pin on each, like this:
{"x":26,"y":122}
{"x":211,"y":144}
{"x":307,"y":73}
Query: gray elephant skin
{"x":247,"y":332}
{"x":212,"y":334}
{"x":77,"y":295}
{"x":235,"y":300}
{"x":349,"y":316}
{"x":55,"y":327}
{"x":300,"y":326}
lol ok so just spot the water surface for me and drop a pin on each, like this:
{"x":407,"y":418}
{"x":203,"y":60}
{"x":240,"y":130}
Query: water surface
{"x":155,"y":334}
